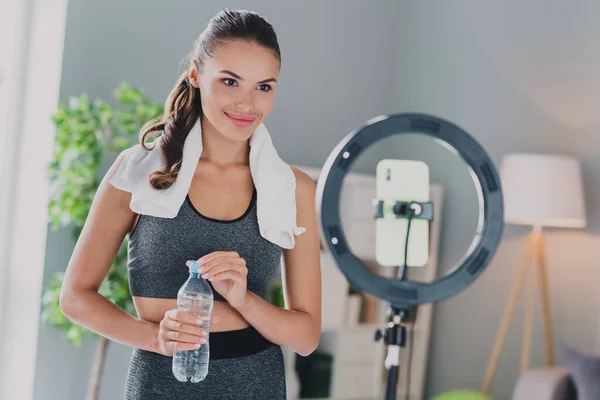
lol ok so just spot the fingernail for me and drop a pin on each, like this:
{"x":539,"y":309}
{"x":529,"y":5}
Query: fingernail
{"x":199,"y":322}
{"x":198,"y":346}
{"x":202,"y":341}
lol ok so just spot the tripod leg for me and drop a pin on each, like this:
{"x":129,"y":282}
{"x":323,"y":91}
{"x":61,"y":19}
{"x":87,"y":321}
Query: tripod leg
{"x":543,"y":271}
{"x":508,"y":314}
{"x":529,"y":312}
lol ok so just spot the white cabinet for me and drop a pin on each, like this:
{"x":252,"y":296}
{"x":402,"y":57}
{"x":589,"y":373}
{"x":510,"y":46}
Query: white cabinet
{"x":356,"y":372}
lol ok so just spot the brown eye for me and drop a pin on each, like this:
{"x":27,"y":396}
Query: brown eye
{"x":229,"y":82}
{"x":265,"y":88}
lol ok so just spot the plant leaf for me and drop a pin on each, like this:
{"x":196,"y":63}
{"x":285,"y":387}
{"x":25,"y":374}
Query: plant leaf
{"x":86,"y":133}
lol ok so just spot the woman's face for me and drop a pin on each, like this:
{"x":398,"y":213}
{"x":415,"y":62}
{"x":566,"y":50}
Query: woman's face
{"x":237,"y":87}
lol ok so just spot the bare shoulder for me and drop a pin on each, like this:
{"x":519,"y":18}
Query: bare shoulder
{"x":305,"y":186}
{"x":306,"y":208}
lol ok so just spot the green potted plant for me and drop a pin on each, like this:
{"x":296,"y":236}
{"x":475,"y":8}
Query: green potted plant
{"x":87,"y":133}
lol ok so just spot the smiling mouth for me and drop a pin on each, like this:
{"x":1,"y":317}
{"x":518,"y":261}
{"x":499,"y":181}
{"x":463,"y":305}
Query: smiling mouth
{"x":240,"y":120}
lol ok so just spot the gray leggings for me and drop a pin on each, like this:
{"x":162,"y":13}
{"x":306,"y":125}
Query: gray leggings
{"x":260,"y":375}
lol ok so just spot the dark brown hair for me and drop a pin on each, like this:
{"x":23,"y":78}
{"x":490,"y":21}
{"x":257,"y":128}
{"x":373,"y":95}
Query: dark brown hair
{"x":183,"y":106}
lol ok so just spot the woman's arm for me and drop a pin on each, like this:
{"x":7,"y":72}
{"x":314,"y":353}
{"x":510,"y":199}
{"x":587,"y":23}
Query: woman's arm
{"x":107,"y":224}
{"x":297,"y":327}
{"x":105,"y":228}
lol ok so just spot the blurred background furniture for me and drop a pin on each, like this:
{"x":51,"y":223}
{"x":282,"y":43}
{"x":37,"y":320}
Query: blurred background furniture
{"x":553,"y":383}
{"x":540,"y":190}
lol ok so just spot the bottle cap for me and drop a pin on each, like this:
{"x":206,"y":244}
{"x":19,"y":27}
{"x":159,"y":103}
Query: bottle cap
{"x":194,"y":266}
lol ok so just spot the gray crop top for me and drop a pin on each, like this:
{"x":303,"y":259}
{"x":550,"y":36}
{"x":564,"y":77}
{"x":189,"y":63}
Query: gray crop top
{"x":159,"y":248}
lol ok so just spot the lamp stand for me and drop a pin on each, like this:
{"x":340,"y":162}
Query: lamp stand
{"x":532,"y":259}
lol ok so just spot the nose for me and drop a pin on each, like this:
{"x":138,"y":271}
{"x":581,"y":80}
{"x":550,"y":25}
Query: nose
{"x":244,"y":101}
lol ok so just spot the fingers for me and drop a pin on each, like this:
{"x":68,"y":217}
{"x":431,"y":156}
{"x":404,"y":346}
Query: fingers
{"x":215,"y":254}
{"x":183,"y":322}
{"x":173,"y":346}
{"x":179,"y":330}
{"x":176,"y":336}
{"x":208,"y":265}
{"x":214,"y":270}
{"x":220,"y":260}
{"x":229,"y":274}
{"x":184,"y":317}
{"x":173,"y":325}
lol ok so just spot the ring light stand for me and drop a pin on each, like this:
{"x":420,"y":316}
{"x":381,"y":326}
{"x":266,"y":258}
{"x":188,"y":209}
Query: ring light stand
{"x":403,"y":295}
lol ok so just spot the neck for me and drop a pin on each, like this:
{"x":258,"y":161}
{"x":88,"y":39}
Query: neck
{"x":220,"y":150}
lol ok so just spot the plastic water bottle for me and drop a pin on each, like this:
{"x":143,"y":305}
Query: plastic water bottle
{"x":196,"y":297}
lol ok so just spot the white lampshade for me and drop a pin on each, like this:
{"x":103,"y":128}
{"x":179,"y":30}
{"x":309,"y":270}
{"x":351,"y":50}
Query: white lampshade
{"x":543,"y":190}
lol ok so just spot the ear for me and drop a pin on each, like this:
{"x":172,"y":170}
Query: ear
{"x":194,"y":77}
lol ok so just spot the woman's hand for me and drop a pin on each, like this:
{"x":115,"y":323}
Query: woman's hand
{"x":227,"y":272}
{"x":181,"y":330}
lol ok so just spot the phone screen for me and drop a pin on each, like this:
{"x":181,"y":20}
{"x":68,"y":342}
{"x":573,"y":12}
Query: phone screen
{"x":401,"y":180}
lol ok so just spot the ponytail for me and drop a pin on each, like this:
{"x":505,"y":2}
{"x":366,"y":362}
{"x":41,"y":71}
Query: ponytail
{"x":182,"y":110}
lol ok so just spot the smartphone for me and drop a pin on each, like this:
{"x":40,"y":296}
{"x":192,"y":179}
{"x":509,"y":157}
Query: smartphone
{"x":401,"y":180}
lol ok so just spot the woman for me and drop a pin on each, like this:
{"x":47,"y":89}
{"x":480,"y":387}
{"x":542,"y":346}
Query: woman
{"x":230,"y":85}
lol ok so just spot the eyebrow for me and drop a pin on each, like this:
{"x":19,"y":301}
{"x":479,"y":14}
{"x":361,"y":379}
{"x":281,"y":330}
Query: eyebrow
{"x":241,"y":79}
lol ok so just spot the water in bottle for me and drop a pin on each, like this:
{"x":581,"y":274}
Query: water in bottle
{"x":196,"y":297}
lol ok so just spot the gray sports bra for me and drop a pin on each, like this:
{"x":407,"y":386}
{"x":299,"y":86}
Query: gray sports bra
{"x":158,"y":249}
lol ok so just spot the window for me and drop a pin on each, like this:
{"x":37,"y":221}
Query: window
{"x":7,"y":45}
{"x":31,"y":34}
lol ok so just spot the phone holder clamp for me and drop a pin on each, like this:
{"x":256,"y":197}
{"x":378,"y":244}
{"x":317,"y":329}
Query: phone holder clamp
{"x":421,"y":210}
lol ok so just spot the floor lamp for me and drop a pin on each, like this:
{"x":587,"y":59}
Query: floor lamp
{"x":540,"y":190}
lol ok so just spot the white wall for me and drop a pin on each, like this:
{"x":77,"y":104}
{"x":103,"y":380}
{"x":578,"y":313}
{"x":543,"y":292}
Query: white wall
{"x":518,"y":76}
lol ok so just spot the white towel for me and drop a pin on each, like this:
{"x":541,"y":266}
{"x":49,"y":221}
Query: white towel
{"x":274,"y":180}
